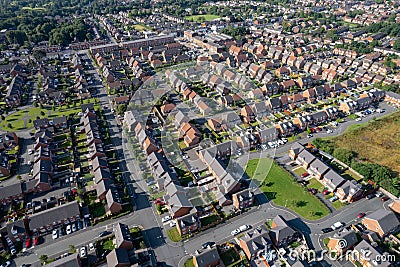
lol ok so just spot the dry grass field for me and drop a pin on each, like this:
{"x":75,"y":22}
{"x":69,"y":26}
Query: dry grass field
{"x":376,"y":142}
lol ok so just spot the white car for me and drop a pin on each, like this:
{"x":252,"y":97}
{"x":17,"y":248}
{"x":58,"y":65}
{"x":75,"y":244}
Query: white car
{"x":337,"y":225}
{"x":358,"y":119}
{"x":166,"y":218}
{"x":91,"y":246}
{"x":30,"y":151}
{"x":172,"y":223}
{"x":13,"y":251}
{"x":73,"y":227}
{"x":55,"y":234}
{"x":68,"y":230}
{"x":244,"y":227}
{"x":82,"y":252}
{"x":235,"y":232}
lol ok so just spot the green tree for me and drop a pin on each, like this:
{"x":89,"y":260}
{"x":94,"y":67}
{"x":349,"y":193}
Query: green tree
{"x":43,"y":258}
{"x":72,"y":249}
{"x":344,"y":155}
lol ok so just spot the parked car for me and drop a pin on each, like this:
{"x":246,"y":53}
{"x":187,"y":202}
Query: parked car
{"x":166,"y":218}
{"x":208,"y":244}
{"x":384,"y":198}
{"x":312,"y":191}
{"x":28,"y":242}
{"x":91,"y":246}
{"x":360,"y":215}
{"x":304,"y":175}
{"x":235,"y":232}
{"x":370,"y":196}
{"x":13,"y":250}
{"x":379,"y":194}
{"x":104,"y":233}
{"x":326,"y":192}
{"x":55,"y":234}
{"x":326,"y":230}
{"x":337,"y":225}
{"x":333,"y":199}
{"x":73,"y":227}
{"x":244,"y":227}
{"x":68,"y":229}
{"x":36,"y":241}
{"x":82,"y":252}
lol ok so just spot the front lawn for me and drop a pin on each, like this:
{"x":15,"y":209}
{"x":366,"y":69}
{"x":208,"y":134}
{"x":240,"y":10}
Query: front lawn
{"x":280,"y":187}
{"x":299,"y":171}
{"x":173,"y":234}
{"x":189,"y":263}
{"x":108,"y":245}
{"x":338,"y":205}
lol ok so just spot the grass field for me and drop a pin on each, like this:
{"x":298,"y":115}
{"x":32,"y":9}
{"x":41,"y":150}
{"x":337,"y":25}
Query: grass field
{"x":314,"y":183}
{"x":205,"y":17}
{"x":173,"y":234}
{"x":189,"y":263}
{"x":280,"y":187}
{"x":377,"y":141}
{"x":140,"y":27}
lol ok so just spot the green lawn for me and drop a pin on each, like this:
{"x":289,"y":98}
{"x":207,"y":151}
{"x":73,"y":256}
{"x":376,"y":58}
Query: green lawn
{"x":230,"y":257}
{"x":299,"y":171}
{"x":189,"y":263}
{"x":279,"y":186}
{"x":205,"y":17}
{"x":314,"y":183}
{"x":108,"y":245}
{"x":173,"y":234}
{"x":338,"y":205}
{"x":348,"y":174}
{"x":208,"y":220}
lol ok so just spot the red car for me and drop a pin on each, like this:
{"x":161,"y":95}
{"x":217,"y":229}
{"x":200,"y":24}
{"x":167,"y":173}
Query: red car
{"x":326,"y":192}
{"x":312,"y":191}
{"x":384,"y":198}
{"x":360,"y":215}
{"x":304,"y":175}
{"x":28,"y":242}
{"x":36,"y":241}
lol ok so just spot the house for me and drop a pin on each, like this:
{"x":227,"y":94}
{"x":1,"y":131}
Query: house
{"x":383,"y":222}
{"x":267,"y":135}
{"x":243,"y":199}
{"x":285,"y":128}
{"x":349,"y":191}
{"x":188,"y":224}
{"x":10,"y":193}
{"x":113,"y":200}
{"x":318,"y":168}
{"x":305,"y":158}
{"x":364,"y":252}
{"x":255,"y":241}
{"x":348,"y":107}
{"x":247,"y":114}
{"x":332,"y":180}
{"x":392,"y":98}
{"x":123,"y":237}
{"x":118,"y":257}
{"x":339,"y":246}
{"x":295,"y":150}
{"x":207,"y":258}
{"x":179,"y":205}
{"x":281,"y":233}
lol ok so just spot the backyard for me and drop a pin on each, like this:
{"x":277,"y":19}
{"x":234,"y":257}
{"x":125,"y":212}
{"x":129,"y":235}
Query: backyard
{"x":279,"y":186}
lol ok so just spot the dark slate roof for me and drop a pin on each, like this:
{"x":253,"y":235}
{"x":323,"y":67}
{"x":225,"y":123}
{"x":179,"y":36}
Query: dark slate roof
{"x":205,"y":258}
{"x":385,"y":218}
{"x":117,"y":256}
{"x":122,"y":234}
{"x":69,"y":261}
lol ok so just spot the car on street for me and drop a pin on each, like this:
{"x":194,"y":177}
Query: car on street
{"x":54,"y":235}
{"x":82,"y":252}
{"x":360,"y":215}
{"x":309,"y":135}
{"x":13,"y":250}
{"x":208,"y":244}
{"x":91,"y":246}
{"x":370,"y":196}
{"x":73,"y":227}
{"x":337,"y":225}
{"x":379,"y":194}
{"x":244,"y":227}
{"x":28,"y":242}
{"x":68,"y":229}
{"x":326,"y":230}
{"x":326,"y":192}
{"x":383,"y":199}
{"x":172,"y":224}
{"x":36,"y":241}
{"x":333,"y":199}
{"x":104,"y":233}
{"x":312,"y":191}
{"x":235,"y":232}
{"x":166,"y":218}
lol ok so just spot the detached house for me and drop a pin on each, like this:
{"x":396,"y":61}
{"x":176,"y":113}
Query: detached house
{"x":188,"y":224}
{"x":383,"y":222}
{"x":243,"y":199}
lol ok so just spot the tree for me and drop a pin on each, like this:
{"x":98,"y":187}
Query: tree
{"x":72,"y":248}
{"x":43,"y":258}
{"x":158,"y":207}
{"x":396,"y":44}
{"x":344,"y":155}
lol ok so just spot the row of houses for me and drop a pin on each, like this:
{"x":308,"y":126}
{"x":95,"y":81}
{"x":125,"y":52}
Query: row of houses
{"x":103,"y":178}
{"x":344,"y":189}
